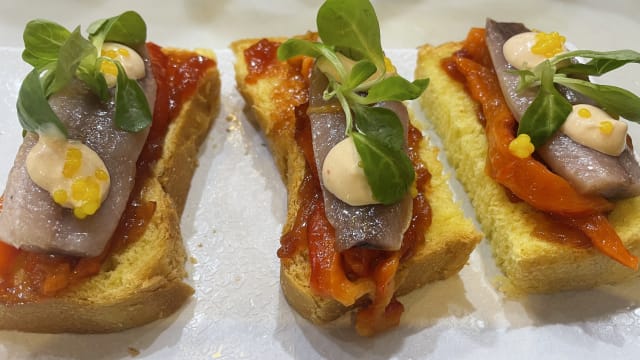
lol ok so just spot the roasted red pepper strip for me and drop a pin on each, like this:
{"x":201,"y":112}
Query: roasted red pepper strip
{"x":604,"y":238}
{"x":384,"y":313}
{"x":328,"y":277}
{"x":527,"y":178}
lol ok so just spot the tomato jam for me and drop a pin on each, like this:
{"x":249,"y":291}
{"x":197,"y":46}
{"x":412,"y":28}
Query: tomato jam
{"x":28,"y":276}
{"x":260,"y":58}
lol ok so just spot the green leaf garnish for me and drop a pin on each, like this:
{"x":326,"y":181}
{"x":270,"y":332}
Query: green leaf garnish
{"x":58,"y":56}
{"x":127,"y":28}
{"x":612,"y":99}
{"x":34,"y":112}
{"x":352,"y":28}
{"x":527,"y":79}
{"x":296,"y":47}
{"x":352,"y":58}
{"x":70,"y":55}
{"x":380,"y":123}
{"x":379,"y":141}
{"x":395,"y":89}
{"x":387,"y":170}
{"x":132,"y":109}
{"x":601,"y":62}
{"x":550,"y":109}
{"x":42,"y":42}
{"x":88,"y":72}
{"x":360,"y":72}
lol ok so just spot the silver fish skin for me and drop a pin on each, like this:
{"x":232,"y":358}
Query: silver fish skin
{"x":31,"y":220}
{"x":376,"y":226}
{"x":589,"y":171}
{"x":610,"y":176}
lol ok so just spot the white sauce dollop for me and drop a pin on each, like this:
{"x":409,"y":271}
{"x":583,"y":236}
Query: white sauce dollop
{"x":517,"y":51}
{"x":343,"y":176}
{"x":74,"y":174}
{"x":594,"y":128}
{"x":130,"y":60}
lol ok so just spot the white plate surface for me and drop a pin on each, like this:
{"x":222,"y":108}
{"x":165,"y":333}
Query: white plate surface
{"x":236,"y":206}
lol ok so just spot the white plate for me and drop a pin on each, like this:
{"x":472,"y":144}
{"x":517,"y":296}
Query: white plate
{"x":237,"y":205}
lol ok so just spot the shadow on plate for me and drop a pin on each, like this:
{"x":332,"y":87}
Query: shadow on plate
{"x":125,"y":344}
{"x":608,"y":314}
{"x":424,"y":308}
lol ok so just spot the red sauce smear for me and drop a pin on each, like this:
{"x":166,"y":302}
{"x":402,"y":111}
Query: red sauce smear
{"x":528,"y":178}
{"x":354,"y":273}
{"x":260,"y":58}
{"x":29,"y":276}
{"x":179,"y":73}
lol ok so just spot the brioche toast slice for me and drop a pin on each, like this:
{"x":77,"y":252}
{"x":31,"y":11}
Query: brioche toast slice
{"x":531,"y":264}
{"x":144,"y":280}
{"x":271,"y":99}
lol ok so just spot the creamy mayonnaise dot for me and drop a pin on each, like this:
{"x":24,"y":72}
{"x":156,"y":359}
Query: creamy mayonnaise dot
{"x":592,"y":127}
{"x":130,"y":60}
{"x":74,"y":175}
{"x":526,"y":50}
{"x":343,"y":176}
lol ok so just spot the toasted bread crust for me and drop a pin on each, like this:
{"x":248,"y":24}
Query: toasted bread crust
{"x":143,"y":282}
{"x":530,"y":264}
{"x":449,"y":240}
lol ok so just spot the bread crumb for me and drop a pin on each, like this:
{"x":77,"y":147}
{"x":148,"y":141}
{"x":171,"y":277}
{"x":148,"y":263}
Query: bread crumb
{"x":133,"y":351}
{"x":504,"y":285}
{"x":218,"y":353}
{"x":193,"y":260}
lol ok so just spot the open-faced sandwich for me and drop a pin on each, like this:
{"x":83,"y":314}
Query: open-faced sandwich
{"x":542,"y":152}
{"x":89,"y":224}
{"x":370,"y":213}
